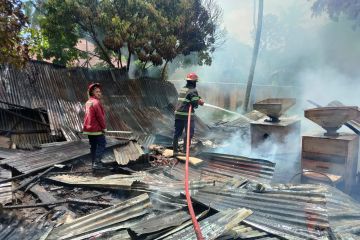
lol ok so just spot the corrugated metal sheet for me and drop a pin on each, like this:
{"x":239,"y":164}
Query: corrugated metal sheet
{"x":5,"y":188}
{"x":250,"y":168}
{"x":157,"y":182}
{"x":110,"y":219}
{"x":243,"y":231}
{"x":117,"y":235}
{"x":291,"y":212}
{"x":49,"y":156}
{"x":240,"y":122}
{"x":5,"y":153}
{"x":13,"y":227}
{"x":137,"y":181}
{"x":160,"y":222}
{"x":141,"y":105}
{"x":214,"y":226}
{"x":129,"y":152}
{"x":146,"y":140}
{"x":27,"y":128}
{"x":343,"y":212}
{"x":225,"y":168}
{"x":117,"y":181}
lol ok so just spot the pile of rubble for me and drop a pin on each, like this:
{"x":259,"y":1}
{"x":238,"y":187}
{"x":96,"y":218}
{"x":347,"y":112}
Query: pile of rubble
{"x":48,"y":189}
{"x":53,"y":193}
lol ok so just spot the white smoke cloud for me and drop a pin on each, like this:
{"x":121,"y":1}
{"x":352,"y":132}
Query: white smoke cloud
{"x":285,"y":153}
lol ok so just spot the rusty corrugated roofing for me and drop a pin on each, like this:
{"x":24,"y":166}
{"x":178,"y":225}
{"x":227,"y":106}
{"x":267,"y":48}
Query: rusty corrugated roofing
{"x":214,"y":226}
{"x":5,"y":153}
{"x":243,"y":231}
{"x":295,"y":212}
{"x":129,"y":104}
{"x":160,"y":222}
{"x":117,"y":181}
{"x":49,"y":156}
{"x":110,"y":219}
{"x":250,"y":168}
{"x":26,"y":127}
{"x":225,"y":168}
{"x":138,"y":181}
{"x":129,"y":152}
{"x":343,"y":213}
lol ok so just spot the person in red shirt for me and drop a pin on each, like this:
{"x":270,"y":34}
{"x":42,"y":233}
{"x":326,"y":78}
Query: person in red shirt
{"x":94,"y":125}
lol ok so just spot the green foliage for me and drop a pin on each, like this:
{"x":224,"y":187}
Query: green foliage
{"x":154,"y":32}
{"x":37,"y":42}
{"x":13,"y":46}
{"x":60,"y":27}
{"x":334,"y":8}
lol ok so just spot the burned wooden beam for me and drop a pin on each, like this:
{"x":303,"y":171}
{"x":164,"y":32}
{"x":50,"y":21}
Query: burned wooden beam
{"x":26,"y":182}
{"x":15,"y":227}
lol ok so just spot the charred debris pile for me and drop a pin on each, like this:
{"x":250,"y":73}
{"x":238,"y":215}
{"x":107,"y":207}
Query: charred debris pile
{"x":49,"y":191}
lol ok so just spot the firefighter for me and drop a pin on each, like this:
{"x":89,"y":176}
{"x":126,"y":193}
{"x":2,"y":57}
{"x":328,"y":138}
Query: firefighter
{"x":187,"y":95}
{"x":94,"y":125}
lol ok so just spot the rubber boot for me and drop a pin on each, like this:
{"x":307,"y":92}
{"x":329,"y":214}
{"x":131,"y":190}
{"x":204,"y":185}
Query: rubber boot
{"x":98,"y":165}
{"x":93,"y":159}
{"x":175,"y":146}
{"x":184,"y":147}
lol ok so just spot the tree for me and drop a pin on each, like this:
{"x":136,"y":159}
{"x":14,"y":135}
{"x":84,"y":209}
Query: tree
{"x":37,"y":41}
{"x":196,"y":28}
{"x":254,"y":55}
{"x":13,"y":47}
{"x":334,"y":8}
{"x":154,"y":31}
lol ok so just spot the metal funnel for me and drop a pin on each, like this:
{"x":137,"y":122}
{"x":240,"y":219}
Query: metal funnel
{"x":332,"y":118}
{"x":274,"y":107}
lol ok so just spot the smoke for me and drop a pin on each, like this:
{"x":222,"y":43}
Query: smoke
{"x":317,"y":60}
{"x":323,"y":86}
{"x":240,"y":144}
{"x":283,"y":151}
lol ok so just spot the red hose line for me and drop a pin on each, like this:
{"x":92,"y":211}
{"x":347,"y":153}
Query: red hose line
{"x":197,"y":229}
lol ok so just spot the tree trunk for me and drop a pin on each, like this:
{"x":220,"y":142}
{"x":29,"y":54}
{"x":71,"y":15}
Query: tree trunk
{"x":255,"y":55}
{"x":120,"y":57}
{"x":105,"y":55}
{"x":128,"y":60}
{"x":164,"y":70}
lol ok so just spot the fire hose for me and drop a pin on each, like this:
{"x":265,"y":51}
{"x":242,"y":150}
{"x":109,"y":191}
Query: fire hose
{"x":197,"y":229}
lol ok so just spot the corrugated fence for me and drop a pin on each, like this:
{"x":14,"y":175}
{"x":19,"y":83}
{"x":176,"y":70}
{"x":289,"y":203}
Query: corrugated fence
{"x":142,"y":105}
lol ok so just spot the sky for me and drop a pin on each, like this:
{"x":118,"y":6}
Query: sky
{"x":320,"y":58}
{"x":238,"y":20}
{"x":239,"y":14}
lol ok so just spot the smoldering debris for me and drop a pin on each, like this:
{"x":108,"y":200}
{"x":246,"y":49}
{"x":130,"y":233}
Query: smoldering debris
{"x":51,"y":191}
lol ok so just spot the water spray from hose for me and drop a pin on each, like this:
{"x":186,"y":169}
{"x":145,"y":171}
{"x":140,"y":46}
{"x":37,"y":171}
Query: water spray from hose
{"x":222,"y":109}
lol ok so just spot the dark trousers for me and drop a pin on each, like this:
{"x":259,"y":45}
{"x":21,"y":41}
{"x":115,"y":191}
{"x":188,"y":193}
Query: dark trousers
{"x":180,"y":125}
{"x":97,"y":147}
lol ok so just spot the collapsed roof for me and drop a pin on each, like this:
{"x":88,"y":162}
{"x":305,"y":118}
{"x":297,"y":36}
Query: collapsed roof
{"x":233,"y":195}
